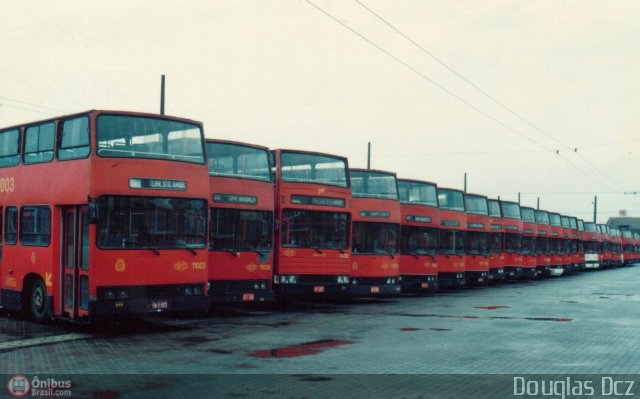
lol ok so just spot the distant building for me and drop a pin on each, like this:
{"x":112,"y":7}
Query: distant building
{"x":625,"y":223}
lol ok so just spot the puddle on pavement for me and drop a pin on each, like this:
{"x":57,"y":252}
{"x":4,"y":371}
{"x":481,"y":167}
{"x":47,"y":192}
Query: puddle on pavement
{"x":308,"y":348}
{"x":439,"y":329}
{"x":410,"y":329}
{"x":492,"y":307}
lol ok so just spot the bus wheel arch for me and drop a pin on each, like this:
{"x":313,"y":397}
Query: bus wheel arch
{"x":35,"y":300}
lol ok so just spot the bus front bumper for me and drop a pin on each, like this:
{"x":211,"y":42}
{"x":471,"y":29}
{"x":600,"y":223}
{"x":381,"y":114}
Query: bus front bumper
{"x":419,"y":283}
{"x":148,"y":306}
{"x":374,"y":290}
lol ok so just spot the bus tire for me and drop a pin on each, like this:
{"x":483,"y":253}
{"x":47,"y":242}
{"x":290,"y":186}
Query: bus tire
{"x":39,"y":303}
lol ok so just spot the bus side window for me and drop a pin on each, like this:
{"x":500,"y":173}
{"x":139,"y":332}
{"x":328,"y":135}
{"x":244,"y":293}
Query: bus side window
{"x":73,"y":141}
{"x":11,"y":225}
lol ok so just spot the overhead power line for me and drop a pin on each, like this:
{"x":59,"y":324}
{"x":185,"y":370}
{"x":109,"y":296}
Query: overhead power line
{"x":489,"y":96}
{"x":32,"y":105}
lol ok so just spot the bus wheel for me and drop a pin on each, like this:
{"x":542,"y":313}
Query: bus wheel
{"x":38,"y":303}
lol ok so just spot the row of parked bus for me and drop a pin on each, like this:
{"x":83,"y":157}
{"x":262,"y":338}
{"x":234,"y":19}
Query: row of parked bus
{"x":105,"y":213}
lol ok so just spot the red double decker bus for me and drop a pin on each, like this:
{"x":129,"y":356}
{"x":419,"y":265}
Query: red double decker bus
{"x":557,"y":258}
{"x":476,"y":259}
{"x":529,"y":240}
{"x":628,"y":247}
{"x":419,"y":223}
{"x":581,"y":245}
{"x":567,"y":257}
{"x":241,"y":201}
{"x":375,"y":233}
{"x":122,"y":230}
{"x":313,"y":211}
{"x":618,"y":256}
{"x":605,"y":240}
{"x":576,"y":255}
{"x":512,"y":239}
{"x":543,"y":243}
{"x":496,"y":242}
{"x":451,"y":247}
{"x":592,"y":246}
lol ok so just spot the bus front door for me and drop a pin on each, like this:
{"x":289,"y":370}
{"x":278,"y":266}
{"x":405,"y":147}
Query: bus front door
{"x":75,"y":261}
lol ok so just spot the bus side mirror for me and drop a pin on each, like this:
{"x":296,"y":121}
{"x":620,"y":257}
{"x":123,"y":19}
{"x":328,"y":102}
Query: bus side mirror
{"x":93,"y":213}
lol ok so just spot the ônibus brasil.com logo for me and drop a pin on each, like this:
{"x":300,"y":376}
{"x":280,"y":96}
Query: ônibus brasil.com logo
{"x":18,"y":386}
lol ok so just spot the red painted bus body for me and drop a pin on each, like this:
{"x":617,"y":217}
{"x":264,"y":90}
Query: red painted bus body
{"x":628,"y":247}
{"x":122,"y":230}
{"x":567,"y":257}
{"x":375,"y":234}
{"x":529,"y":238}
{"x":476,"y":267}
{"x":451,"y":246}
{"x":578,"y":244}
{"x":313,"y":213}
{"x":618,"y":256}
{"x":496,"y":242}
{"x":556,"y":242}
{"x":512,"y":239}
{"x":419,"y":223}
{"x":543,"y":243}
{"x":241,"y":201}
{"x":592,"y":246}
{"x":605,"y":239}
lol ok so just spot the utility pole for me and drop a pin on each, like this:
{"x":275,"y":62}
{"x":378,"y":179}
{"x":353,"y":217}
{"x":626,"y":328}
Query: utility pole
{"x":538,"y":206}
{"x":465,"y":182}
{"x":162,"y":96}
{"x":369,"y":155}
{"x":595,"y":208}
{"x":518,"y":197}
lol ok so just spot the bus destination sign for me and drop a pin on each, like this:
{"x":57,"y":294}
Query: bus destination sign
{"x":158,"y":184}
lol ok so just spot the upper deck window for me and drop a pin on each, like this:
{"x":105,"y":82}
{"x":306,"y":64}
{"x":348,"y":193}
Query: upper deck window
{"x":313,"y":168}
{"x":542,"y":217}
{"x":554,"y":219}
{"x":123,"y":136}
{"x":9,"y":147}
{"x":418,"y":193}
{"x":451,"y":200}
{"x":39,"y":143}
{"x":233,"y":160}
{"x":494,"y":208}
{"x":476,"y":205}
{"x":74,"y":139}
{"x":573,"y":222}
{"x":590,"y":227}
{"x":565,"y":222}
{"x":373,"y":185}
{"x":528,"y":215}
{"x":510,"y":210}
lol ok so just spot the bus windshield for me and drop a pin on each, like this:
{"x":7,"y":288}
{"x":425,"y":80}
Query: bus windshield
{"x":528,"y":245}
{"x":590,"y":227}
{"x":234,"y":160}
{"x":580,"y":225}
{"x":476,"y":204}
{"x":528,"y":215}
{"x":313,"y":229}
{"x":542,"y":245}
{"x":564,"y":221}
{"x":452,"y":242}
{"x":367,"y":184}
{"x":477,"y":243}
{"x":375,"y":238}
{"x":418,"y":193}
{"x":452,"y":200}
{"x":573,"y":222}
{"x":494,"y":208}
{"x":417,"y":240}
{"x":240,"y":230}
{"x":124,"y":136}
{"x":513,"y":243}
{"x":510,"y":210}
{"x":496,"y":242}
{"x":554,"y":219}
{"x":313,"y":168}
{"x":542,"y":217}
{"x":151,"y":222}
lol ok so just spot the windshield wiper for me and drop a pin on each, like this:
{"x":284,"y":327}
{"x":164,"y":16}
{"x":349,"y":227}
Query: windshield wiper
{"x":145,"y":246}
{"x":318,"y":250}
{"x":232,"y":251}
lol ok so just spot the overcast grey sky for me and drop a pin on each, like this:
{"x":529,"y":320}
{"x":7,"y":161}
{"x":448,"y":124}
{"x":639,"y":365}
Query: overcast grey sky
{"x":285,"y":74}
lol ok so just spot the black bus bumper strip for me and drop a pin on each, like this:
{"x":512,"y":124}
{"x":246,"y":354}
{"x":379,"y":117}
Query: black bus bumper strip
{"x":242,"y":296}
{"x":543,"y":271}
{"x":418,"y":284}
{"x":513,"y":272}
{"x":318,"y":290}
{"x":148,"y":306}
{"x":383,"y":290}
{"x":450,"y":280}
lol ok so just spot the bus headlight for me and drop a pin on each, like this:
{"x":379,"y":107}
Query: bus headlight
{"x":263,"y":285}
{"x":197,"y":290}
{"x":354,"y":281}
{"x":188,"y":291}
{"x":109,"y":294}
